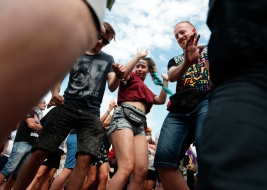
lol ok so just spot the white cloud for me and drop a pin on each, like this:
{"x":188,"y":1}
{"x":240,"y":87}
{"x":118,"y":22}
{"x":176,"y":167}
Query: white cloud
{"x":149,"y":24}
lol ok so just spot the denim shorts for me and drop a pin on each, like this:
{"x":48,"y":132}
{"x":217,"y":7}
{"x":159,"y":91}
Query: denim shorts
{"x":177,"y":133}
{"x":19,"y":154}
{"x":119,"y":121}
{"x":59,"y":124}
{"x":71,"y":151}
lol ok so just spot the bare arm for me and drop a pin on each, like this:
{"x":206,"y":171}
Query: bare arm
{"x":175,"y":73}
{"x":56,"y":98}
{"x":112,"y":105}
{"x":130,"y":66}
{"x":34,"y":126}
{"x":5,"y":147}
{"x":113,"y":81}
{"x":161,"y":99}
{"x":107,"y":121}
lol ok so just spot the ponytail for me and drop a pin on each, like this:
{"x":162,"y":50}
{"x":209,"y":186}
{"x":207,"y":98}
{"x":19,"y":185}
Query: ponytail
{"x":154,"y":75}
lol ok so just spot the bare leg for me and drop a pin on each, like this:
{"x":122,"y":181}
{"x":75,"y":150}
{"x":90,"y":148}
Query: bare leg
{"x":61,"y":179}
{"x":91,"y":176}
{"x":46,"y":42}
{"x":37,"y":177}
{"x":44,"y":182}
{"x":79,"y":172}
{"x":29,"y":169}
{"x":103,"y":176}
{"x":123,"y":143}
{"x":2,"y":178}
{"x":172,"y":179}
{"x":10,"y":183}
{"x":150,"y":184}
{"x":140,"y":163}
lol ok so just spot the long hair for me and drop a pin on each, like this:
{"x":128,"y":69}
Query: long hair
{"x":151,"y":67}
{"x":154,"y":74}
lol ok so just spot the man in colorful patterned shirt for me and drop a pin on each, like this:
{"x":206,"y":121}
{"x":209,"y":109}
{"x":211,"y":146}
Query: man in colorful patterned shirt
{"x":188,"y":107}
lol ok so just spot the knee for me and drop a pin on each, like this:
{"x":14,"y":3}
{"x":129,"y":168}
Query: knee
{"x":126,"y":169}
{"x":141,"y":172}
{"x":103,"y":177}
{"x":90,"y":180}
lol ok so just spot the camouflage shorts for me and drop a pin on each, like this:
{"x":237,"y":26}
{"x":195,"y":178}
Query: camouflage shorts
{"x":59,"y":124}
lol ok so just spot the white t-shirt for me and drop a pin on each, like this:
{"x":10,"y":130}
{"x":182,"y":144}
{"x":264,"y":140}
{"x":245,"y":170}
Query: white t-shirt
{"x":10,"y":144}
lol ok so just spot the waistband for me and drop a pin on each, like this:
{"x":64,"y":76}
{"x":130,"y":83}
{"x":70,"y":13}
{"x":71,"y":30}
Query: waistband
{"x":131,"y":106}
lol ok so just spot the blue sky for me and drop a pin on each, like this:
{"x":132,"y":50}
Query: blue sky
{"x":148,"y":24}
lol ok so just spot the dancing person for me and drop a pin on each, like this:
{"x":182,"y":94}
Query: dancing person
{"x":187,"y":107}
{"x":128,"y":123}
{"x":79,"y":108}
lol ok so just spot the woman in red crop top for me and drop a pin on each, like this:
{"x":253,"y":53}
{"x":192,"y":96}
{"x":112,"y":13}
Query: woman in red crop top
{"x":128,"y":123}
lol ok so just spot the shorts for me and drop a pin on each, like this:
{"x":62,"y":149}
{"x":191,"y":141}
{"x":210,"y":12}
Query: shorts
{"x":119,"y":121}
{"x":102,"y":156}
{"x":53,"y":161}
{"x":19,"y":154}
{"x":71,"y":150}
{"x":98,"y":9}
{"x":151,"y":175}
{"x":59,"y":124}
{"x":178,"y":131}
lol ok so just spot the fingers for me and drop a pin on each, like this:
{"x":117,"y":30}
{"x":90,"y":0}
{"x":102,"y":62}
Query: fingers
{"x":200,"y":49}
{"x":118,"y":69}
{"x":56,"y":100}
{"x":196,"y":40}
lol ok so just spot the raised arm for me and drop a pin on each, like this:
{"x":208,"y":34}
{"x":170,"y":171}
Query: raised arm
{"x":130,"y":66}
{"x":112,"y":105}
{"x":191,"y":56}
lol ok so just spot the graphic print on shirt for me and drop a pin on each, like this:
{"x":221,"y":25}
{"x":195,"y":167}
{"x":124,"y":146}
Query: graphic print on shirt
{"x":86,"y":77}
{"x":36,"y":120}
{"x":198,"y":75}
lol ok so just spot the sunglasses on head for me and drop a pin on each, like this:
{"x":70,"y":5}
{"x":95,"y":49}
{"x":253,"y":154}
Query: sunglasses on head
{"x":104,"y":40}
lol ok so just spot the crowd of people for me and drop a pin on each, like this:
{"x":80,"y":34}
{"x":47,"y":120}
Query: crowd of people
{"x":219,"y":104}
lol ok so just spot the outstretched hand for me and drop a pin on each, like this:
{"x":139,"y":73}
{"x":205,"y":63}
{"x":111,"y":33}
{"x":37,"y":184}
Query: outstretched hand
{"x":192,"y":53}
{"x":118,"y":69}
{"x":141,"y":54}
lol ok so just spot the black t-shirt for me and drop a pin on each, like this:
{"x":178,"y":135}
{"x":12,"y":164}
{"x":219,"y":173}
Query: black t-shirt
{"x":197,"y":76}
{"x":87,"y":82}
{"x":24,"y":133}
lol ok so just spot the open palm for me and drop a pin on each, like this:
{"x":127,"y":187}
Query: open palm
{"x":192,"y":53}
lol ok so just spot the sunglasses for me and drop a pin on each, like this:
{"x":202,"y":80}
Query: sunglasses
{"x":104,"y":40}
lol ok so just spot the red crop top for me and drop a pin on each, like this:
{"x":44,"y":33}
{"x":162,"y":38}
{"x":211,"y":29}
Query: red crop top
{"x":136,"y":91}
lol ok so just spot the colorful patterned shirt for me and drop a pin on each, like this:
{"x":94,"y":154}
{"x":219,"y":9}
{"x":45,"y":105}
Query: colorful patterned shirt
{"x":197,"y":76}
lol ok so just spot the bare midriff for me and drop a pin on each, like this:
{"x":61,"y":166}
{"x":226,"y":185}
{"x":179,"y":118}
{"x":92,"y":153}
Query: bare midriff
{"x":139,"y":105}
